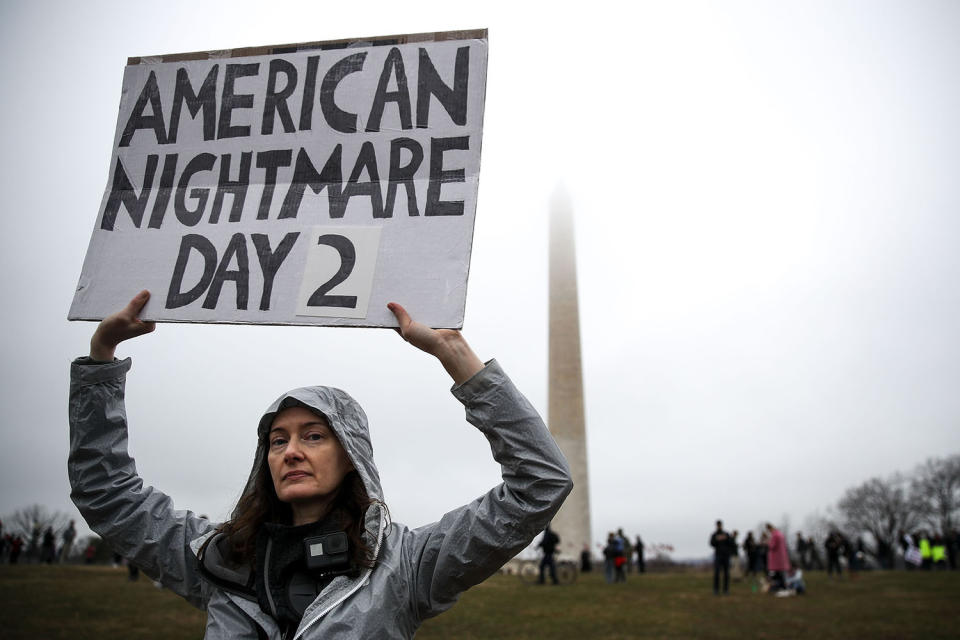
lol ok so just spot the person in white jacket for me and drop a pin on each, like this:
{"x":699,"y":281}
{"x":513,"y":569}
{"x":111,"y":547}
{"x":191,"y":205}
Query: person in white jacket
{"x":309,"y":551}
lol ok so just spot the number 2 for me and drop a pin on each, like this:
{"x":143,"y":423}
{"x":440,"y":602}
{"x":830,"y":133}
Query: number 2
{"x":348,"y":258}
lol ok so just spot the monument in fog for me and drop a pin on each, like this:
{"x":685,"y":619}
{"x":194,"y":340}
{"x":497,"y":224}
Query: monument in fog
{"x":565,"y":415}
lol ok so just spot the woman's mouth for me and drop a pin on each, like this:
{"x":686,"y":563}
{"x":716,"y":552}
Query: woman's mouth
{"x":295,"y":475}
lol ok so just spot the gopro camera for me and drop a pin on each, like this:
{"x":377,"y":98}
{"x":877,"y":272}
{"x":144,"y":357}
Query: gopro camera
{"x":328,"y":553}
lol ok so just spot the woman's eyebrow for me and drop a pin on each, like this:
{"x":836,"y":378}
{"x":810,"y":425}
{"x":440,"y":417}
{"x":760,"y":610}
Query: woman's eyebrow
{"x":301,"y":425}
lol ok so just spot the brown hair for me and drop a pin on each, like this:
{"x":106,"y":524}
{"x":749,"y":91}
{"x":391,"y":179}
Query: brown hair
{"x":259,"y":504}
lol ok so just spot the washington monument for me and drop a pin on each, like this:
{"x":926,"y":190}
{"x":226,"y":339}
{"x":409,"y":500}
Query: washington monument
{"x":565,"y":407}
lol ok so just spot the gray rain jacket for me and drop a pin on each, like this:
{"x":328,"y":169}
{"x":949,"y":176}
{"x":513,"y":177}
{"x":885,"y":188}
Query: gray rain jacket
{"x":418,"y":573}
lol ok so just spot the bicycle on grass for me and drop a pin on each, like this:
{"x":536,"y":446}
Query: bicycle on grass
{"x":566,"y":572}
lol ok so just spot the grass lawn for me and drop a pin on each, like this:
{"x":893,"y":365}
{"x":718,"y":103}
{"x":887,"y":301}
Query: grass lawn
{"x":79,"y":602}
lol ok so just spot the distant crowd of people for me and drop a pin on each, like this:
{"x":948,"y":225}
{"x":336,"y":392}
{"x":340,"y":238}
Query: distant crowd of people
{"x":924,"y":551}
{"x":768,"y":558}
{"x":917,"y":550}
{"x":40,"y":548}
{"x":617,"y":557}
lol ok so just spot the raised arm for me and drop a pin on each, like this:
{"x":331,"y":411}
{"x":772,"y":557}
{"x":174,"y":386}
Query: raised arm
{"x":472,"y":542}
{"x":138,"y":521}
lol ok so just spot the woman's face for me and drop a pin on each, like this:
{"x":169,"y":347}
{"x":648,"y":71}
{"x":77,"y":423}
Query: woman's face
{"x":306,"y":460}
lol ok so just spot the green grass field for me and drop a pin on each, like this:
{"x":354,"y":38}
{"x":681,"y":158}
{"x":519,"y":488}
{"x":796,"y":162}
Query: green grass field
{"x":98,"y":602}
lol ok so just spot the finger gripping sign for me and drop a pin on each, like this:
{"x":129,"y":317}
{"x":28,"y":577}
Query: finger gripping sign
{"x":305,"y":184}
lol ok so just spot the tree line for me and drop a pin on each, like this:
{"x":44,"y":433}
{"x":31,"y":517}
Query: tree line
{"x":926,"y":499}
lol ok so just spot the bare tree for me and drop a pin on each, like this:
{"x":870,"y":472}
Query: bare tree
{"x":35,"y":518}
{"x":819,"y":525}
{"x":935,"y":489}
{"x":881,"y":508}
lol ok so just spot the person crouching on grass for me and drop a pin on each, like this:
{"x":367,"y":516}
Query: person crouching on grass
{"x":310,"y":551}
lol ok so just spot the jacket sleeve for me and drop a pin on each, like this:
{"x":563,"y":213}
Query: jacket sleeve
{"x":471,"y":543}
{"x":138,"y":522}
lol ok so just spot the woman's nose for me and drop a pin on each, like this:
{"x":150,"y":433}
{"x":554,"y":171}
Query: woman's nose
{"x":293,"y":451}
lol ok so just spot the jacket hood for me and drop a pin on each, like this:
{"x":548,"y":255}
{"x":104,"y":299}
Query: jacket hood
{"x":349,"y":423}
{"x":345,"y":417}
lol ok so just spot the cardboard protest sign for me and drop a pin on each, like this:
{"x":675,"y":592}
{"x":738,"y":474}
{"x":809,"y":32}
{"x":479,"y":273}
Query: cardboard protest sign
{"x":305,"y":184}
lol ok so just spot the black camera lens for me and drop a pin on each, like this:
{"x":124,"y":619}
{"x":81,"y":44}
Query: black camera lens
{"x":336,"y":544}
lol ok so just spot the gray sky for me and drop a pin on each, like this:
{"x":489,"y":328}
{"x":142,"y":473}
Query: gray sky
{"x":766,"y":205}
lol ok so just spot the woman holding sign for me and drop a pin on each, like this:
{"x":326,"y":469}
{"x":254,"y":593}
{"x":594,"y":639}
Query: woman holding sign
{"x":309,"y":551}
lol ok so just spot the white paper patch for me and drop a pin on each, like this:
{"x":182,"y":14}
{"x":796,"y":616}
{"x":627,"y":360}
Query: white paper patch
{"x":339,"y":270}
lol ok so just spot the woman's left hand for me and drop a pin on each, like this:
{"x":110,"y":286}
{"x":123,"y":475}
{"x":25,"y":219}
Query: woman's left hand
{"x":122,"y":325}
{"x":447,"y":345}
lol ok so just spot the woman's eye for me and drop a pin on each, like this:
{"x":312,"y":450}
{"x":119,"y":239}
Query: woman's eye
{"x":313,"y":437}
{"x":278,"y":442}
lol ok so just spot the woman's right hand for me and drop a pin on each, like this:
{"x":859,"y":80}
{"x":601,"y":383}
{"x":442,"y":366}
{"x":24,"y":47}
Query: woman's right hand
{"x":447,"y":345}
{"x":120,"y":326}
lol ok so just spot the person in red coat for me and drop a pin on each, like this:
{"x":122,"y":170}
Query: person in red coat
{"x":778,"y":561}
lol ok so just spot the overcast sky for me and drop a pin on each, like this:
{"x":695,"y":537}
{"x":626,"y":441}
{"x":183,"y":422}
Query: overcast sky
{"x":767,"y":216}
